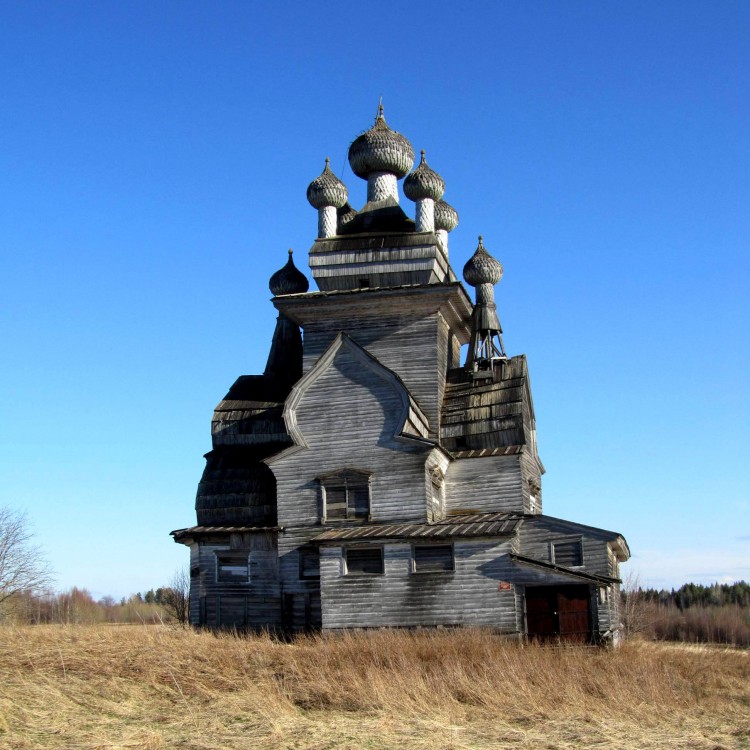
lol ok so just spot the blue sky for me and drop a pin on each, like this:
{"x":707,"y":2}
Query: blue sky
{"x":154,"y":158}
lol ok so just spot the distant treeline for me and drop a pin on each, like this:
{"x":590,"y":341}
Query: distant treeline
{"x":696,"y":595}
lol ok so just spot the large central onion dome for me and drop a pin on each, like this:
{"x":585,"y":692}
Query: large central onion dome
{"x":423,"y":183}
{"x":327,"y":190}
{"x":482,"y":268}
{"x":381,"y":149}
{"x":288,"y":280}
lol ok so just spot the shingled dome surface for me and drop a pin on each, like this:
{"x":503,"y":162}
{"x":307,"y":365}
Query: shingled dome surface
{"x":423,"y":183}
{"x":446,"y":217}
{"x":288,"y":280}
{"x":381,"y":149}
{"x":482,"y":268}
{"x":327,"y":190}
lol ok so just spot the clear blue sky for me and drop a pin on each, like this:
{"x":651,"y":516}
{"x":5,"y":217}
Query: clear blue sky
{"x":154,"y":158}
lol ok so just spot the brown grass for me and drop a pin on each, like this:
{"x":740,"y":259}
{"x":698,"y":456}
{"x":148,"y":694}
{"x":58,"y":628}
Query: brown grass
{"x":151,"y":687}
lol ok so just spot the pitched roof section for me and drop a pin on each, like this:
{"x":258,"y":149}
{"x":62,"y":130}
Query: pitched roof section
{"x":489,"y":410}
{"x":469,"y":525}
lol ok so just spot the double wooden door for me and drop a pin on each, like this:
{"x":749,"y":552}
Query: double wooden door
{"x":559,"y":612}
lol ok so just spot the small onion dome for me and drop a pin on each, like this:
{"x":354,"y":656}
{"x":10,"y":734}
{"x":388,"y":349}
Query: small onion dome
{"x":345,"y":214}
{"x":423,"y":182}
{"x":288,"y":280}
{"x":446,"y":216}
{"x":327,"y":190}
{"x":482,"y":268}
{"x":381,"y":149}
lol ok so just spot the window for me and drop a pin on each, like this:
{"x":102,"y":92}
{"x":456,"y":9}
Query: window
{"x":231,"y":567}
{"x":309,"y":563}
{"x":433,"y":558}
{"x":364,"y":561}
{"x":568,"y":553}
{"x":346,"y":495}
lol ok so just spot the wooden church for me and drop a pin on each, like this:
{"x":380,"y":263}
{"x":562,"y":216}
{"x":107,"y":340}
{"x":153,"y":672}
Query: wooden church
{"x":370,"y":477}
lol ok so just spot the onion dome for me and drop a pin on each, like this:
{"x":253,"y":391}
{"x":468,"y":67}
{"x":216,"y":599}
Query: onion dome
{"x":288,"y":280}
{"x":327,"y":190}
{"x":345,"y":214}
{"x":446,"y":216}
{"x":482,"y":268}
{"x":423,"y":183}
{"x":381,"y":149}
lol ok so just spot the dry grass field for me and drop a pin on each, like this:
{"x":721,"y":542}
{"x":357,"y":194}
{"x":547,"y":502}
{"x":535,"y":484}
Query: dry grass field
{"x":149,"y":687}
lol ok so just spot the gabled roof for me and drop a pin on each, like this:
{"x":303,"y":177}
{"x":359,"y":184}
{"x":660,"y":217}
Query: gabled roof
{"x":560,"y":569}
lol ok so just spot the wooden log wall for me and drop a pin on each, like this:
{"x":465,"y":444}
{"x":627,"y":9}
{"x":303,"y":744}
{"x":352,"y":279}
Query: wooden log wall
{"x":468,"y":595}
{"x":486,"y":485}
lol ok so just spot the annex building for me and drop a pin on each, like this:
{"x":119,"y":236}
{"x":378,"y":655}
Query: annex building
{"x":371,"y":476}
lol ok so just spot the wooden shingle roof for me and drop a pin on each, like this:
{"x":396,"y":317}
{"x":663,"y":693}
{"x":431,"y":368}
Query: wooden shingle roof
{"x":489,"y":411}
{"x":468,"y":525}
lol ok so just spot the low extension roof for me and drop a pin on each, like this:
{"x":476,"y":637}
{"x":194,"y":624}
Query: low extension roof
{"x":469,"y":525}
{"x":552,"y":567}
{"x":192,"y":531}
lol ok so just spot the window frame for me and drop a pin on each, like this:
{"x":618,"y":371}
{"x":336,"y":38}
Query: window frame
{"x":360,"y":573}
{"x":414,"y":567}
{"x":567,"y":540}
{"x":237,"y":555}
{"x":350,"y":480}
{"x":303,"y":553}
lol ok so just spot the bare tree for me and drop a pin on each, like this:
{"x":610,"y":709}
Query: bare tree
{"x":176,"y":597}
{"x":635,"y":613}
{"x":23,"y":567}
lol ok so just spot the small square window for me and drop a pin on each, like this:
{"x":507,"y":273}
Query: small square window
{"x":364,"y":561}
{"x":433,"y":558}
{"x":309,"y":563}
{"x":231,"y":567}
{"x":568,"y":553}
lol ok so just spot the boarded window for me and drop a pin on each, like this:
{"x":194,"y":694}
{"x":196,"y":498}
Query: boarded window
{"x":309,"y":563}
{"x":346,"y":495}
{"x":568,"y":554}
{"x":364,"y":561}
{"x":433,"y":558}
{"x":231,"y":567}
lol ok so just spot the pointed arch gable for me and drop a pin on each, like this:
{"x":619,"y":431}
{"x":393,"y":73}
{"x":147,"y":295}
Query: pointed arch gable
{"x":411,"y":421}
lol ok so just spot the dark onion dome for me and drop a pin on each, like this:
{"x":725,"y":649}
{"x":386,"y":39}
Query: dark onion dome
{"x":381,"y":149}
{"x":345,"y":214}
{"x":327,"y":190}
{"x":423,"y":183}
{"x":288,"y":280}
{"x":446,"y":216}
{"x":482,"y":268}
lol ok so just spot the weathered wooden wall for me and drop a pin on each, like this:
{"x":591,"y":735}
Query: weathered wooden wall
{"x":468,"y":595}
{"x":485,"y":485}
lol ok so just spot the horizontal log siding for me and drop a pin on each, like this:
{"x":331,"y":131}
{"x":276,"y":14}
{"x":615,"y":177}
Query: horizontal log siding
{"x":486,"y":485}
{"x":416,"y":350}
{"x":347,"y":417}
{"x":256,"y":602}
{"x":530,"y":473}
{"x":468,"y":595}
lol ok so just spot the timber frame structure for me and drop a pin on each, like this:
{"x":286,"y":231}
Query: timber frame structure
{"x":369,"y":478}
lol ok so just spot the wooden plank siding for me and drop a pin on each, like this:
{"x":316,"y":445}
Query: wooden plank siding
{"x":254,"y":602}
{"x":468,"y":595}
{"x":539,"y":533}
{"x":349,"y":418}
{"x":491,"y":484}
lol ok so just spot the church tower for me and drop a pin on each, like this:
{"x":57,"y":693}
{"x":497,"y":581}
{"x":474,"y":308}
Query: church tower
{"x":370,"y":477}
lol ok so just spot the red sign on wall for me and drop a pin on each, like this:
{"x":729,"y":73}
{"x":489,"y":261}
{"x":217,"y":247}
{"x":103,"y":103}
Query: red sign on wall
{"x":504,"y":586}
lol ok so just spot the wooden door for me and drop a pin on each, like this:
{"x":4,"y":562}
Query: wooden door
{"x":558,"y":612}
